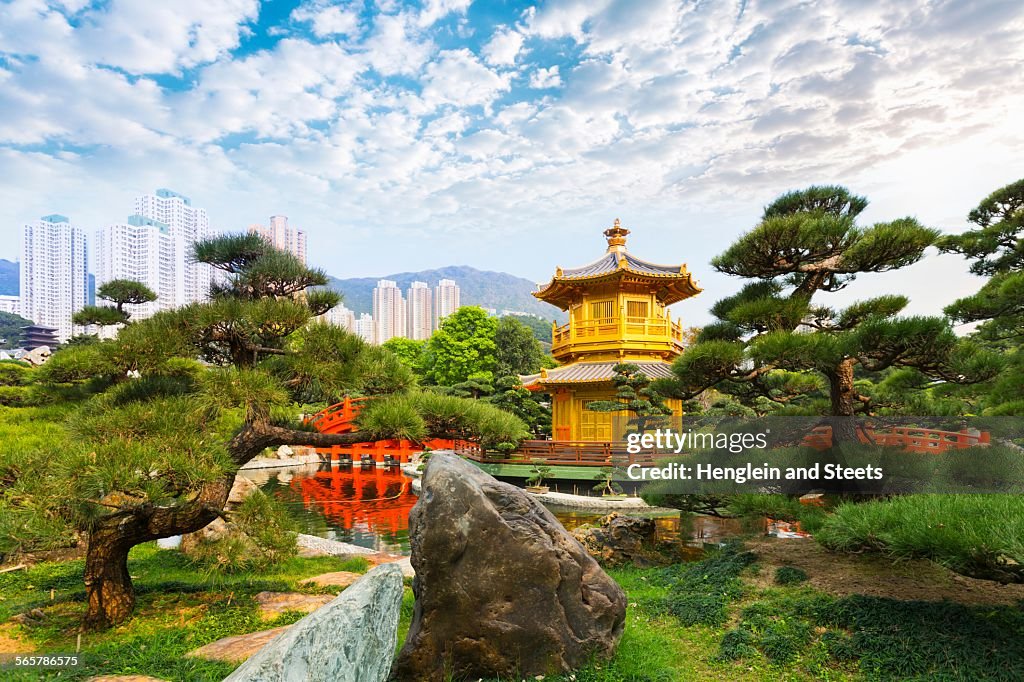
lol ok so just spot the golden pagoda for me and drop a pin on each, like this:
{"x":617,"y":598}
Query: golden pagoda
{"x":618,"y":312}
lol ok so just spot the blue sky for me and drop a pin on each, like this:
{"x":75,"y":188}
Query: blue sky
{"x":507,"y":135}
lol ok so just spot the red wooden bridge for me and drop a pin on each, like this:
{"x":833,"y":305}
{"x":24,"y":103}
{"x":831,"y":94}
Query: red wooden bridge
{"x":341,"y":418}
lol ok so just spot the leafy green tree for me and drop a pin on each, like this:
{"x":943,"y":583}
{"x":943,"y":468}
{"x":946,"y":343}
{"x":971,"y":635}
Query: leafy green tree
{"x":462,"y":347}
{"x":409,"y":351}
{"x":511,"y":396}
{"x":11,"y":326}
{"x":808,"y":243}
{"x":120,"y":292}
{"x":156,"y":456}
{"x":517,"y":349}
{"x":539,"y":327}
{"x":996,"y":248}
{"x":635,"y":394}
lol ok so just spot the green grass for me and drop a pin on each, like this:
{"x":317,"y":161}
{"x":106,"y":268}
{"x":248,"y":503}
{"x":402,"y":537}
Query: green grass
{"x":977,"y":535}
{"x":178,"y":609}
{"x":739,"y":632}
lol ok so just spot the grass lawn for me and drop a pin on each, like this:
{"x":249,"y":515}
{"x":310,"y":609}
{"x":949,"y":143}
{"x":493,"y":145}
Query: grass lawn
{"x":718,"y":619}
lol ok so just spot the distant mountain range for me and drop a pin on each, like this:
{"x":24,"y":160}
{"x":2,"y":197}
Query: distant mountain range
{"x":10,"y":285}
{"x":498,"y":290}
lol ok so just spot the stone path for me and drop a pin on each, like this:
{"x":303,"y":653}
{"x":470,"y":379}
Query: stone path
{"x":336,"y":579}
{"x":273,"y":604}
{"x":238,"y":648}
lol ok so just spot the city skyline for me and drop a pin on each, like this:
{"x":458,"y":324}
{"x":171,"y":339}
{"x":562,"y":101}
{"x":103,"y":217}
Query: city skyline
{"x":419,"y":135}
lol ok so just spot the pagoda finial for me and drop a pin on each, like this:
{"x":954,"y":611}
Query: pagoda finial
{"x":616,"y":235}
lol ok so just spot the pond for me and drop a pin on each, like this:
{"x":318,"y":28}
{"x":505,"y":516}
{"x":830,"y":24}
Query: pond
{"x":370,"y":508}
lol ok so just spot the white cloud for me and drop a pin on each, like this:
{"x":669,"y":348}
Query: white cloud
{"x":328,"y":20}
{"x":457,"y":77}
{"x":434,"y":10}
{"x":141,"y":36}
{"x":503,"y":47}
{"x":545,"y":78}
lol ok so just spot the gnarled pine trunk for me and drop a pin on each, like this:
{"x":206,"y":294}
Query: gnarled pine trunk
{"x":840,"y":384}
{"x":108,"y":586}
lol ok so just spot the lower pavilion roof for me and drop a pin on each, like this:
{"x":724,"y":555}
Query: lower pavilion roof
{"x":590,"y":372}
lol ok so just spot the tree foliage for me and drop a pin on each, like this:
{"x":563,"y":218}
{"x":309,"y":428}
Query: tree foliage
{"x":634,"y":394}
{"x":119,"y":292}
{"x":806,"y":243}
{"x":462,"y":347}
{"x":517,"y":350}
{"x":996,"y":249}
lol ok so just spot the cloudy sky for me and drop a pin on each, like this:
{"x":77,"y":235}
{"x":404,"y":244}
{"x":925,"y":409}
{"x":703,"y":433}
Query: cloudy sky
{"x":507,"y":135}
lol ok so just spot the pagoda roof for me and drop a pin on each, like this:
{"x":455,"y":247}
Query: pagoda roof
{"x":590,"y":372}
{"x":672,"y":283}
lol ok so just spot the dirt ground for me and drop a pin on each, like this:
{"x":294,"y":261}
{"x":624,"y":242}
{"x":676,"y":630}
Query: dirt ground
{"x":845,"y":574}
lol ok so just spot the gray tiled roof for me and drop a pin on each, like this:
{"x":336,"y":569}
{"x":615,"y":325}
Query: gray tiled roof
{"x":610,"y":263}
{"x":584,"y":372}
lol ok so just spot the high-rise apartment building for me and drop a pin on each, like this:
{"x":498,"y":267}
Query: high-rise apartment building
{"x":10,"y":304}
{"x":446,"y":300}
{"x":54,"y":273}
{"x":143,"y":250}
{"x":365,"y":327}
{"x":340,"y":316}
{"x":388,"y":311}
{"x":282,"y":235}
{"x":186,"y":225}
{"x":420,"y":322}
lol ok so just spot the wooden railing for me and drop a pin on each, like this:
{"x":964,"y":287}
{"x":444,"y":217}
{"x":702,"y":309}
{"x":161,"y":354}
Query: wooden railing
{"x":569,"y":453}
{"x":909,"y":438}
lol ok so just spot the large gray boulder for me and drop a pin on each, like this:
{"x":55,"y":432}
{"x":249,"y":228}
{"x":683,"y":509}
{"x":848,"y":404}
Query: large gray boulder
{"x":502,"y":590}
{"x":351,"y":639}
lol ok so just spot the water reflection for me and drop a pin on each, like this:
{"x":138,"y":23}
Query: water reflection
{"x":370,"y":507}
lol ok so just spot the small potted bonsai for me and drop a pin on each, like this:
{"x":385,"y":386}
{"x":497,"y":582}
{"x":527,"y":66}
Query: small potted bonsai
{"x":606,"y":486}
{"x":535,"y":483}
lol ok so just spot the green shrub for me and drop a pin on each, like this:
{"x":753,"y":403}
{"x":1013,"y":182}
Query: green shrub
{"x":976,"y":535}
{"x":789,"y":575}
{"x":700,"y":592}
{"x":736,"y":644}
{"x":260,"y":535}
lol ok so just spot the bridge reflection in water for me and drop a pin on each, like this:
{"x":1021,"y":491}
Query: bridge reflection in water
{"x":364,"y":506}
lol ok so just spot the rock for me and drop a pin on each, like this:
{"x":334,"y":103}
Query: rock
{"x":335,"y":579}
{"x":617,"y":540}
{"x":238,"y":648}
{"x":502,"y":590}
{"x":215,"y":530}
{"x":285,"y":452}
{"x":37,"y":356}
{"x":351,"y":639}
{"x":241,"y":489}
{"x":273,"y":604}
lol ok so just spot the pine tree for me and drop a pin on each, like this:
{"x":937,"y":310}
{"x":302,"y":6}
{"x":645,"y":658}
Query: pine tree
{"x":634,"y":394}
{"x":996,"y":248}
{"x":120,"y":292}
{"x":809,"y":243}
{"x":155,"y":456}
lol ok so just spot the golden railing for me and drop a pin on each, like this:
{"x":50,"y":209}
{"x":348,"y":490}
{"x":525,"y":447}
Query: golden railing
{"x":611,"y":328}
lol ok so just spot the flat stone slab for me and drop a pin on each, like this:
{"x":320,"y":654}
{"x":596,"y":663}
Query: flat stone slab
{"x":588,"y":502}
{"x":238,"y":648}
{"x":273,"y":604}
{"x":352,"y":639}
{"x":334,"y":579}
{"x":311,"y":545}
